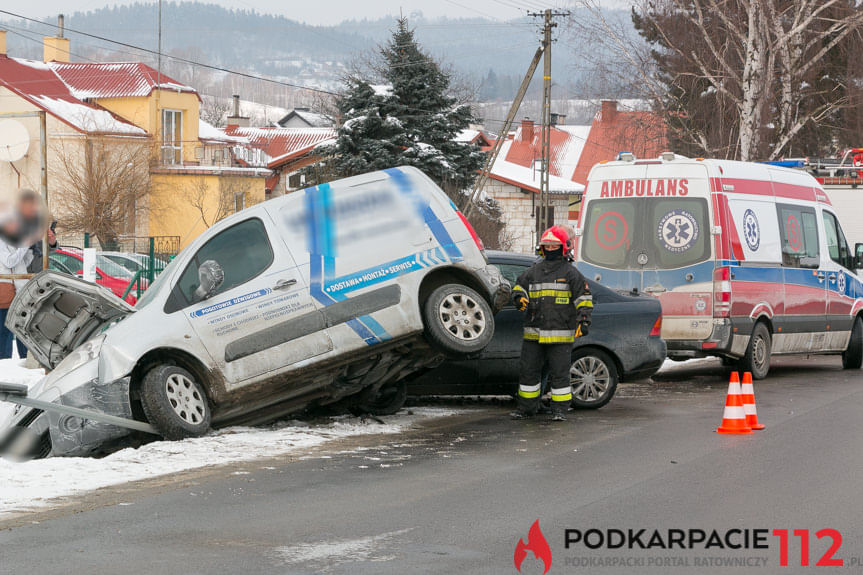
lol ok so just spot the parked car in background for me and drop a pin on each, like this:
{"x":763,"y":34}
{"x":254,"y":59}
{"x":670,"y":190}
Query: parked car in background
{"x":336,"y":292}
{"x":624,"y":343}
{"x":135,"y":262}
{"x":108,"y":274}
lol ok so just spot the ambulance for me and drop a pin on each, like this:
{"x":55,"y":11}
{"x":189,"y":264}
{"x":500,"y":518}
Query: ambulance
{"x":748,"y":260}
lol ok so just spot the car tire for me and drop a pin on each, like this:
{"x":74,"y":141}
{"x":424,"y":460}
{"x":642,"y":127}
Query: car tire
{"x":175,"y":403}
{"x":756,"y":360}
{"x":852,"y":358}
{"x":593,"y":376}
{"x":458,"y":321}
{"x":388,"y":400}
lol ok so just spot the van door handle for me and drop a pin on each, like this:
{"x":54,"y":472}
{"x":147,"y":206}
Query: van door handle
{"x":655,"y":289}
{"x":820,"y":276}
{"x":285,"y":284}
{"x":832,"y":278}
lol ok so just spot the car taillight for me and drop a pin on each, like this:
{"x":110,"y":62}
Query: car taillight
{"x":470,"y":229}
{"x":722,"y":292}
{"x":657,"y":327}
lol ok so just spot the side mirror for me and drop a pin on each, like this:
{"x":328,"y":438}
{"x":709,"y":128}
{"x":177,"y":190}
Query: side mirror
{"x":858,"y":256}
{"x":210,"y":278}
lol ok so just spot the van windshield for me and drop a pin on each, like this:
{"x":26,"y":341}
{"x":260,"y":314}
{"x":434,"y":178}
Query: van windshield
{"x":669,"y":232}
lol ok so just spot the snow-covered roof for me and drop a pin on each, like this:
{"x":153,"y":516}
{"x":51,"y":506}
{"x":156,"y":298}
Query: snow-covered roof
{"x":41,"y":85}
{"x":307,"y":117}
{"x":210,"y":133}
{"x":114,"y":79}
{"x":87,"y":118}
{"x":528,"y":177}
{"x":518,"y":161}
{"x":282,"y":144}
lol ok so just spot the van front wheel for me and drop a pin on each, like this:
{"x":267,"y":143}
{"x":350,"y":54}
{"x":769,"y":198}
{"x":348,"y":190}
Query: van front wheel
{"x":757,"y":357}
{"x":852,"y":358}
{"x":458,"y":320}
{"x":175,"y":403}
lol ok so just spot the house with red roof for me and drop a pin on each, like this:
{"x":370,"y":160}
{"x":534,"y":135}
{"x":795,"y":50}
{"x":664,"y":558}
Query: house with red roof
{"x":122,"y":106}
{"x":514,"y":179}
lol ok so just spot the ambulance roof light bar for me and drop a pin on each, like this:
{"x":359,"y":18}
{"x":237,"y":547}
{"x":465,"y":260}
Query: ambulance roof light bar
{"x":626,"y":157}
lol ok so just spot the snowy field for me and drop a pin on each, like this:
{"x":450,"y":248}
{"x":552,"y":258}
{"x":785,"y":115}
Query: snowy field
{"x":32,"y":484}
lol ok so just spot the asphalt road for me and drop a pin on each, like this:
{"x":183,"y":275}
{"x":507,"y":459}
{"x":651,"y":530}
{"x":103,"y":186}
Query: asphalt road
{"x":456,"y":496}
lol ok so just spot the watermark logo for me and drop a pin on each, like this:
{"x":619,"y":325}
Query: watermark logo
{"x":537,"y":543}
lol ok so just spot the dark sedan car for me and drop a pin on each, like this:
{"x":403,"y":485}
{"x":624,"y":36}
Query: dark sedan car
{"x":623,"y":344}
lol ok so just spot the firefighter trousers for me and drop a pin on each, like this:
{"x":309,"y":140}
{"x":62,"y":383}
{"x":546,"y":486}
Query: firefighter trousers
{"x":534,"y":356}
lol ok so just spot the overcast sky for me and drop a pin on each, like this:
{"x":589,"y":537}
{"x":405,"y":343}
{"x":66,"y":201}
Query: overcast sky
{"x":324,"y":12}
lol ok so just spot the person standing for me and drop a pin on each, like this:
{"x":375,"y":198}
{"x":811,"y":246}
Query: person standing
{"x":559,"y":306}
{"x":13,"y":260}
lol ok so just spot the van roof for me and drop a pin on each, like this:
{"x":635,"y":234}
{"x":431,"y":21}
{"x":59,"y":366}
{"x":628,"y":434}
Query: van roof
{"x":734,"y":175}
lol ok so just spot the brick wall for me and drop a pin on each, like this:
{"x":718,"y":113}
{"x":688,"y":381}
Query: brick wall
{"x":517,"y":212}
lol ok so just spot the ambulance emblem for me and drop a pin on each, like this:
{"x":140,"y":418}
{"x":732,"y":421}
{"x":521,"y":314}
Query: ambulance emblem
{"x":751,"y":231}
{"x":677,"y":230}
{"x":840,"y":282}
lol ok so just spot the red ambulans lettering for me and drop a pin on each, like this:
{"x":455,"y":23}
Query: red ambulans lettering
{"x":643,"y":188}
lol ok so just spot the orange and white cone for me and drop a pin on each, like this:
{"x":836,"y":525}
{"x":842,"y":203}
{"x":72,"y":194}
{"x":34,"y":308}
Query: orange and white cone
{"x":748,"y":393}
{"x":734,"y":418}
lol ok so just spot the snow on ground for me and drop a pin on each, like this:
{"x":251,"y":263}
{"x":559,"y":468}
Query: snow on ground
{"x":13,"y":371}
{"x":31,"y":484}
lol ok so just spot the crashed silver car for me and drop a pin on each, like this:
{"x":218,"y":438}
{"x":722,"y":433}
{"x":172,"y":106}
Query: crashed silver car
{"x":337,"y":291}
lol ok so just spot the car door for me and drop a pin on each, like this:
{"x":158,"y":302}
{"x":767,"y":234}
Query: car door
{"x":261,"y":319}
{"x":804,"y":321}
{"x":837,"y":262}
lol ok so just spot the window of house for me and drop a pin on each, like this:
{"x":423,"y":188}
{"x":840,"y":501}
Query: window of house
{"x":172,"y":136}
{"x":799,"y":236}
{"x":243,"y":251}
{"x":295,"y":181}
{"x":239,"y":201}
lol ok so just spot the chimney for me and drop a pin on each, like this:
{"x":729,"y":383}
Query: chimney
{"x":609,"y":111}
{"x":235,"y":119}
{"x":56,"y":48}
{"x":2,"y":42}
{"x":526,"y":130}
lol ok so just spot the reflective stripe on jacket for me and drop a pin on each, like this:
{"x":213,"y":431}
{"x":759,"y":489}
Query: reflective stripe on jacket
{"x":558,"y":301}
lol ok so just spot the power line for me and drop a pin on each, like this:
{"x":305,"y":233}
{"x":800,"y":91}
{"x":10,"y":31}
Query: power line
{"x":177,"y":58}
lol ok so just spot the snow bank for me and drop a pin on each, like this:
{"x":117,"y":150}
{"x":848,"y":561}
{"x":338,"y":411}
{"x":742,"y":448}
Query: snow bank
{"x":33,"y":484}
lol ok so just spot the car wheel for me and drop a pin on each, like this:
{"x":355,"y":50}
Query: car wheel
{"x":593,"y":375}
{"x":388,"y":400}
{"x":175,"y":403}
{"x":852,"y":358}
{"x":756,"y":360}
{"x":458,"y":320}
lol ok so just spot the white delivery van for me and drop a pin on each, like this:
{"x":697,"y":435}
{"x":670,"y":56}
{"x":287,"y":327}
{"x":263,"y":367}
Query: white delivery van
{"x":748,"y":260}
{"x":336,"y":291}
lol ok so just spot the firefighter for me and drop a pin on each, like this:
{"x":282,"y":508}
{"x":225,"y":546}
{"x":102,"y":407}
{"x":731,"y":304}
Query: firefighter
{"x":559,"y":305}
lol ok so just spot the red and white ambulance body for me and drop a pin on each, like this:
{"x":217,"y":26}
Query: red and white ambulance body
{"x":747,"y":259}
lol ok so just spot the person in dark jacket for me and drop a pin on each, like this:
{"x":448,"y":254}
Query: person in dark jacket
{"x":559,"y":305}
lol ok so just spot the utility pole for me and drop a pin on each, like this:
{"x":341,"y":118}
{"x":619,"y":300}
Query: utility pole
{"x":544,"y":51}
{"x":543,"y":220}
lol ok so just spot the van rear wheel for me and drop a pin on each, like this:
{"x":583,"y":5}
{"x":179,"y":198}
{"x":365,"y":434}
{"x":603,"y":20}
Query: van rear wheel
{"x":756,"y":360}
{"x":458,"y":320}
{"x":852,"y":358}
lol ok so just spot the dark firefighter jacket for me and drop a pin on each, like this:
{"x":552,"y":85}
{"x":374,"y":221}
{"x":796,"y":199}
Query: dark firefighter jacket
{"x":558,"y":301}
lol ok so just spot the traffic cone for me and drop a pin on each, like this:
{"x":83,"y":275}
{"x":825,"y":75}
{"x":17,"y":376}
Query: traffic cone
{"x":734,"y":418}
{"x":748,"y":393}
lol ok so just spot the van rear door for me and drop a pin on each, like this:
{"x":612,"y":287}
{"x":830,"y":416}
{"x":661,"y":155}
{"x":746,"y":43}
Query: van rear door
{"x":648,"y":227}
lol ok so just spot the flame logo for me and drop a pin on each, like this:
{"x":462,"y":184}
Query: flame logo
{"x":535,"y":542}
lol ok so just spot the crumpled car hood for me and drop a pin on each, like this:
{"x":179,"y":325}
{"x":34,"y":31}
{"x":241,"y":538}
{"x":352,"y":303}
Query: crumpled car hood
{"x":55,"y":313}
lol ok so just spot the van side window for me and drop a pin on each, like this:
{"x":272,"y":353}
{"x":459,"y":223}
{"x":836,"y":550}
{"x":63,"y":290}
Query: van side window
{"x":837,"y":247}
{"x":799,"y":230}
{"x":243,"y":251}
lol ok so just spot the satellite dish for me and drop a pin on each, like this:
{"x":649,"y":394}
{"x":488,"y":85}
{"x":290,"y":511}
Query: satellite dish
{"x":14,"y":140}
